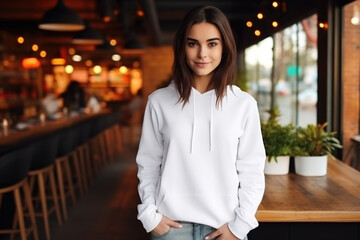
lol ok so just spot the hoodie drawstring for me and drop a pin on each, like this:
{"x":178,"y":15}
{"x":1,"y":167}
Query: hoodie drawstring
{"x":210,"y":122}
{"x":193,"y":124}
{"x":212,"y":105}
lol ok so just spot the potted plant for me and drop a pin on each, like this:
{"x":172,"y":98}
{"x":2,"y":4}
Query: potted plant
{"x":313,"y":146}
{"x":278,"y":140}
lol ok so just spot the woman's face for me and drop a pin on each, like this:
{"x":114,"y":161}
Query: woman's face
{"x":203,"y":49}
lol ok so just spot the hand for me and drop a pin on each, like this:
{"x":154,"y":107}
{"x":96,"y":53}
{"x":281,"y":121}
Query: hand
{"x":164,"y":226}
{"x":223,"y":233}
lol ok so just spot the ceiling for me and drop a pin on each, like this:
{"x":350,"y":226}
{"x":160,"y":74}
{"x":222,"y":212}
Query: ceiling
{"x":155,"y":28}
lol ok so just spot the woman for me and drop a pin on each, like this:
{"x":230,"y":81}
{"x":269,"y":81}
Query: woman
{"x":201,"y":155}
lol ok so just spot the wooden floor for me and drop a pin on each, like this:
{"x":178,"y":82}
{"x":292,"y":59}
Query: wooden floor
{"x":108,"y":210}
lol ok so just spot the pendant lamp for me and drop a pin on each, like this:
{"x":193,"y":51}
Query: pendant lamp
{"x":61,"y":18}
{"x":133,"y":42}
{"x":88,"y":36}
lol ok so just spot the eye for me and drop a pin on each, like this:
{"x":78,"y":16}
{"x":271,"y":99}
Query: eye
{"x":192,"y":44}
{"x":212,"y":44}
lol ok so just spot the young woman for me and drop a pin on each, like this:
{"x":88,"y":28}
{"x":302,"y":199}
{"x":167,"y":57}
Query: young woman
{"x":201,"y":156}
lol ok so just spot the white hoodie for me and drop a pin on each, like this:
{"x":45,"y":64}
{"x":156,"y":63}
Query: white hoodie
{"x":201,"y":163}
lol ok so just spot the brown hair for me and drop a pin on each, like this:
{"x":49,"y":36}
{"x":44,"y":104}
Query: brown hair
{"x":224,"y":74}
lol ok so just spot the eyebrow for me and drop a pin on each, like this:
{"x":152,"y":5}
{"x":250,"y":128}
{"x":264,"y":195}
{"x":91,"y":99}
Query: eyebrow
{"x":208,"y":40}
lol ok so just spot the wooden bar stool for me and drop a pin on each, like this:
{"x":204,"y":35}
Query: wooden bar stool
{"x":14,"y":167}
{"x":42,"y":175}
{"x":67,"y":165}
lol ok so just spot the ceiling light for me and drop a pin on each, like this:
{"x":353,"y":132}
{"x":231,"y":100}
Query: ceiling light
{"x":30,"y":62}
{"x":355,"y":19}
{"x":123,"y":69}
{"x":58,"y":61}
{"x":116,"y":57}
{"x":97,"y":69}
{"x":76,"y":58}
{"x":88,"y":36}
{"x":69,"y":69}
{"x":61,"y":18}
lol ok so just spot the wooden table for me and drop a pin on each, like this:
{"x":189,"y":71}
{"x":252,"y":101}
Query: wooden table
{"x":297,"y":207}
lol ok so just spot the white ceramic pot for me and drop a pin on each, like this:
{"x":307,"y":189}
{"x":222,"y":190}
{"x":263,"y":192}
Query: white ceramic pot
{"x":312,"y":166}
{"x":281,"y":167}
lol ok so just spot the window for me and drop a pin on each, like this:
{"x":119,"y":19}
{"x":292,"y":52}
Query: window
{"x":282,"y":71}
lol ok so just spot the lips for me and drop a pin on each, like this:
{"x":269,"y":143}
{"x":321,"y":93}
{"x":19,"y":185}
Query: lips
{"x":201,"y":64}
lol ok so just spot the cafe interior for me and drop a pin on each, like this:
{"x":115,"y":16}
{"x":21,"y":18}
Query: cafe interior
{"x":68,"y":171}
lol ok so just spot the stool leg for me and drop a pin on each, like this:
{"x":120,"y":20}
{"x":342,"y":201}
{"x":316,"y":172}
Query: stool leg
{"x":30,"y":207}
{"x":78,"y":172}
{"x":83,"y":168}
{"x":19,"y":210}
{"x":45,"y":213}
{"x":54,"y":195}
{"x":69,"y":180}
{"x":60,"y":178}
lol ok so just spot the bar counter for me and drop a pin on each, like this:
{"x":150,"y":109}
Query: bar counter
{"x":16,"y":138}
{"x":297,"y":207}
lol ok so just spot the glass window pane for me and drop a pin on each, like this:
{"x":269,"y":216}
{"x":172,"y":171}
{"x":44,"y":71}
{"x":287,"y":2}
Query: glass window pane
{"x":294,"y":76}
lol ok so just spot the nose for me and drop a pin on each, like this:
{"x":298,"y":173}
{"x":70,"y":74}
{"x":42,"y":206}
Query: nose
{"x":202,"y":53}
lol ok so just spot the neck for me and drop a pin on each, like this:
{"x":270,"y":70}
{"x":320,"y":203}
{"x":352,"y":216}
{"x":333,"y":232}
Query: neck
{"x":201,"y":83}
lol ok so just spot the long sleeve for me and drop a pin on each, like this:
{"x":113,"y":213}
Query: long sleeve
{"x":149,"y":159}
{"x":250,"y":166}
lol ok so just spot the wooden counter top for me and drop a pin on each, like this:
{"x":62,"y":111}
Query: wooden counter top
{"x":331,"y":198}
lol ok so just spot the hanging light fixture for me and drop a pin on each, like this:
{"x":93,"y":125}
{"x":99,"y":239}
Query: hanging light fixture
{"x":133,"y":42}
{"x":61,"y":18}
{"x":88,"y":36}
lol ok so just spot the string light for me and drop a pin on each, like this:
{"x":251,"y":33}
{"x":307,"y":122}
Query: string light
{"x":257,"y":33}
{"x":275,"y":4}
{"x":249,"y":24}
{"x":97,"y":69}
{"x":113,"y":42}
{"x":88,"y":63}
{"x":123,"y":69}
{"x":43,"y":53}
{"x":71,"y":51}
{"x":35,"y":47}
{"x":69,"y":69}
{"x":260,"y":16}
{"x":275,"y":24}
{"x":20,"y":40}
{"x":140,"y":13}
{"x":323,"y":25}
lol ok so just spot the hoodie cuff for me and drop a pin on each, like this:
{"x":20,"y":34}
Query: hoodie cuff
{"x":150,"y":218}
{"x":240,"y":228}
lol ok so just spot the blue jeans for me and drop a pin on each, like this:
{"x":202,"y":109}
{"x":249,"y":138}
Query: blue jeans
{"x":189,"y":231}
